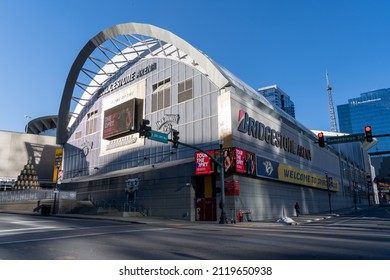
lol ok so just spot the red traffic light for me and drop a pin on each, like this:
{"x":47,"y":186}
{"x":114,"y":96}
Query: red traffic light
{"x":321,"y":139}
{"x":368,"y":131}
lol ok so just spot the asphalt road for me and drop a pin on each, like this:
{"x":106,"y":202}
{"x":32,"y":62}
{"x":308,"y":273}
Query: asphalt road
{"x":365,"y":235}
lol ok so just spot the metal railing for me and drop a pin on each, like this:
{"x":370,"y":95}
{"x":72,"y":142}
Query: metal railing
{"x":21,"y":195}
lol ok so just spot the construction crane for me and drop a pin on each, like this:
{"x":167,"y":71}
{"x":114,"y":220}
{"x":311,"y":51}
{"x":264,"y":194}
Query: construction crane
{"x":333,"y":124}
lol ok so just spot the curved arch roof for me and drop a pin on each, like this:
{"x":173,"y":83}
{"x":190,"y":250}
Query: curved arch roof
{"x":41,"y":124}
{"x":117,"y":47}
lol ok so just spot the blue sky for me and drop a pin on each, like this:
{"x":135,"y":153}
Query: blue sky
{"x":263,"y":42}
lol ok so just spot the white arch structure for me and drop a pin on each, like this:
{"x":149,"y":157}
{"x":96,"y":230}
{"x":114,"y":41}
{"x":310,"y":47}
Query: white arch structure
{"x":118,"y":47}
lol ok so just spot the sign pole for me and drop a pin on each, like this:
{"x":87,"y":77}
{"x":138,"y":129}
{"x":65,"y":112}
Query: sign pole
{"x":222,"y":168}
{"x":220,"y":162}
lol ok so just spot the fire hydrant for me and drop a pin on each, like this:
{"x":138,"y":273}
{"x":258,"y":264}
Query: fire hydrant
{"x":239,"y":216}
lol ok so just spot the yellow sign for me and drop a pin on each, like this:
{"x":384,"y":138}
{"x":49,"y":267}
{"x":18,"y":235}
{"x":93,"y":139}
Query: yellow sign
{"x":57,"y":163}
{"x":301,"y":177}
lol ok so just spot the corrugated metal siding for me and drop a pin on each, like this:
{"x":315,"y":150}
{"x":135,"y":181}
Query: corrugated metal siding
{"x":197,"y":119}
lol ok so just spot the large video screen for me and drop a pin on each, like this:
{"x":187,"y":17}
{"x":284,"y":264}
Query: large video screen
{"x":120,"y":120}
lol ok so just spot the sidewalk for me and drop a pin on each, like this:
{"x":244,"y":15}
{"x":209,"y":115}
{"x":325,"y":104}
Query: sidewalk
{"x":308,"y":218}
{"x":282,"y":221}
{"x":302,"y":219}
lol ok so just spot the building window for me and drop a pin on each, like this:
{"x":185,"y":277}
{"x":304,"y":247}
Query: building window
{"x":78,"y":135}
{"x":161,"y":95}
{"x":91,"y":122}
{"x":184,"y":90}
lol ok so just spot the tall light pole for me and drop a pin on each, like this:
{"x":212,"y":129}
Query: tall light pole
{"x":222,"y":219}
{"x":56,"y":191}
{"x":28,"y":118}
{"x":355,"y":190}
{"x":192,"y":212}
{"x":328,"y":185}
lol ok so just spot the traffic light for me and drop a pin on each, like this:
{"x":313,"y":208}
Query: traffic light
{"x":321,"y":139}
{"x":175,"y":138}
{"x":144,"y":130}
{"x":368,"y":132}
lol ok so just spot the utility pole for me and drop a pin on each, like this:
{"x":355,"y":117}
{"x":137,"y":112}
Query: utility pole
{"x":146,"y":131}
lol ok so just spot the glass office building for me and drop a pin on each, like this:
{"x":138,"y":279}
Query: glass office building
{"x":278,"y":98}
{"x":371,"y":108}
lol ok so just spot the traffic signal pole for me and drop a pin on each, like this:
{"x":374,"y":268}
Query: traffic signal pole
{"x":145,"y":131}
{"x":381,"y":135}
{"x":195,"y":148}
{"x":358,"y":137}
{"x":220,"y":163}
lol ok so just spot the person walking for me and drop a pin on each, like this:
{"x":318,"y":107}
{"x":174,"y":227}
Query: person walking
{"x":297,"y":209}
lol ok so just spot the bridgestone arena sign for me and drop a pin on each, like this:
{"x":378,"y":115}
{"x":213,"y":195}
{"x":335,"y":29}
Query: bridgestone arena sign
{"x":270,"y":136}
{"x":128,"y":78}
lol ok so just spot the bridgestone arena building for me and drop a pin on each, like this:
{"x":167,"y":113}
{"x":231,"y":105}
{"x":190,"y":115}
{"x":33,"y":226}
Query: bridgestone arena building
{"x":134,"y":72}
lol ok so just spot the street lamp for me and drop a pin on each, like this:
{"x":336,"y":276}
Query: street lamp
{"x":192,"y":212}
{"x":222,"y":219}
{"x":28,"y":118}
{"x":329,"y":194}
{"x":355,"y":190}
{"x":56,"y":191}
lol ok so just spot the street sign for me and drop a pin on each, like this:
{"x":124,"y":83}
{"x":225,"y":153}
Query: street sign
{"x":158,"y":136}
{"x":346,"y":138}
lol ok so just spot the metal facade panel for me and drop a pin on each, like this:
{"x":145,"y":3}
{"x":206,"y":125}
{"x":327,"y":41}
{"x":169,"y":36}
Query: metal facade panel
{"x":320,"y":159}
{"x":208,"y":66}
{"x":195,"y":123}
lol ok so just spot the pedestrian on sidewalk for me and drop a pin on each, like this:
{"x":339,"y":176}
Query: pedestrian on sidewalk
{"x":297,"y":209}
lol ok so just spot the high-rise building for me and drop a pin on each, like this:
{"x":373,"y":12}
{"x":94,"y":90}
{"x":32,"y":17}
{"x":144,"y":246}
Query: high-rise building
{"x":371,"y":108}
{"x":279,"y":98}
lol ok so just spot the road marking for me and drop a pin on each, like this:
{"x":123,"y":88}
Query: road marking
{"x":80,"y":235}
{"x":24,"y":229}
{"x":28,"y":222}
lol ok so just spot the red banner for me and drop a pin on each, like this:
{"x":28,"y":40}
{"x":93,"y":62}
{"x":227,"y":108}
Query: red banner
{"x":235,"y":160}
{"x":203,"y":163}
{"x":233,"y":188}
{"x":240,"y":161}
